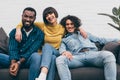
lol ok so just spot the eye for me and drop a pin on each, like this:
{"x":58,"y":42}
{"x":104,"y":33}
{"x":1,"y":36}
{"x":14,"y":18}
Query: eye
{"x":69,"y":24}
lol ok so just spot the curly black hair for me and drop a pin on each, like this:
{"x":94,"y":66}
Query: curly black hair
{"x":76,"y":21}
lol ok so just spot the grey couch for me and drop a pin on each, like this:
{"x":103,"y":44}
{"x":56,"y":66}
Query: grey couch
{"x":83,"y":73}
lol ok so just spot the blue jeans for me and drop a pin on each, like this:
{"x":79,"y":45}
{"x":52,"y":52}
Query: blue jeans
{"x":49,"y":55}
{"x":95,"y":58}
{"x":33,"y":63}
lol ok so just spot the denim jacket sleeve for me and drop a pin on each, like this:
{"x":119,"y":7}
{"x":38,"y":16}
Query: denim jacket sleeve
{"x":13,"y":49}
{"x":101,"y":40}
{"x":62,"y":47}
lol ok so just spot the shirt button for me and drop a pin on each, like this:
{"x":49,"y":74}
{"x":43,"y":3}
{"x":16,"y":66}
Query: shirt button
{"x":20,"y":50}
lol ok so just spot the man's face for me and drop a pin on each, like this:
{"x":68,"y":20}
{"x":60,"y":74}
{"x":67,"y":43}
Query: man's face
{"x":70,"y":26}
{"x":28,"y":18}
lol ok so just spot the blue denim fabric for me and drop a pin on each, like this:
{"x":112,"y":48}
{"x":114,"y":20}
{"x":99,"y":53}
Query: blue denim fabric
{"x":74,"y":43}
{"x":33,"y":63}
{"x":49,"y":55}
{"x":4,"y":60}
{"x":91,"y":58}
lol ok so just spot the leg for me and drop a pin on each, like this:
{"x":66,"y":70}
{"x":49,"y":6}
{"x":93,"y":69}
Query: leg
{"x":34,"y":65}
{"x":110,"y":66}
{"x":47,"y":53}
{"x":63,"y":64}
{"x":5,"y":63}
{"x":4,"y":60}
{"x":52,"y":69}
{"x":105,"y":59}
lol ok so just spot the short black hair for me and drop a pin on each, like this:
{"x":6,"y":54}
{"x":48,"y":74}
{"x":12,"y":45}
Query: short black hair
{"x":30,"y":9}
{"x":47,"y":11}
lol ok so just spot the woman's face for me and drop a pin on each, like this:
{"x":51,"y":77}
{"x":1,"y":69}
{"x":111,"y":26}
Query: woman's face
{"x":70,"y":26}
{"x":51,"y":18}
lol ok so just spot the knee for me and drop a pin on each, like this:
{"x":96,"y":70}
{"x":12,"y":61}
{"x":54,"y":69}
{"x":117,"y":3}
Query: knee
{"x":35,"y":58}
{"x":46,"y":45}
{"x":60,"y":60}
{"x":109,"y":57}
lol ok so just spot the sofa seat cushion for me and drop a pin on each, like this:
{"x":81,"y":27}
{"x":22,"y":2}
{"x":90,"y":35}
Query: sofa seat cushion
{"x":89,"y":73}
{"x":4,"y":74}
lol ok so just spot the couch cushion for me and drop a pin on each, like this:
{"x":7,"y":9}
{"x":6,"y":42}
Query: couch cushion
{"x":83,"y":73}
{"x":3,"y":41}
{"x":4,"y":74}
{"x":89,"y":73}
{"x":114,"y":47}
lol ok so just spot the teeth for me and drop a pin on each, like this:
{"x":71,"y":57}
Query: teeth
{"x":27,"y":23}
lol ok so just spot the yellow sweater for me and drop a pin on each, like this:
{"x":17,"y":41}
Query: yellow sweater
{"x":53,"y":34}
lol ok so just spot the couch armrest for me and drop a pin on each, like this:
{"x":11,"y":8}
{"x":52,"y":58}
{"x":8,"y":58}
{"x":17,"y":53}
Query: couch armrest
{"x":114,"y":47}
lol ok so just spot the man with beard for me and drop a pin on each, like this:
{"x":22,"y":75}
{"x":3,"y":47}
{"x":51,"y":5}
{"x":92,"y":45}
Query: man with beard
{"x":24,"y":53}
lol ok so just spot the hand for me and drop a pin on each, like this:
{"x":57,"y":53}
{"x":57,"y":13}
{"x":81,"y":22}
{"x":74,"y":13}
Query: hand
{"x":18,"y":35}
{"x":14,"y":68}
{"x":82,"y":32}
{"x":67,"y":54}
{"x":119,"y":42}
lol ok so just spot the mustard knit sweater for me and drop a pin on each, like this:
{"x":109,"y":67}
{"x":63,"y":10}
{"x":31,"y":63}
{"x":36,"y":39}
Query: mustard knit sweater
{"x":53,"y":34}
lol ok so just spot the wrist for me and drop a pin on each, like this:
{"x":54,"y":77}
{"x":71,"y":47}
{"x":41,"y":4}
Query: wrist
{"x":13,"y":61}
{"x":19,"y":62}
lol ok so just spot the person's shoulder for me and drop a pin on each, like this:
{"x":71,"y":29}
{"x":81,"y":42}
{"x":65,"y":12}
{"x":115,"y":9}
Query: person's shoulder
{"x":62,"y":29}
{"x":38,"y":30}
{"x":12,"y":32}
{"x":60,"y":25}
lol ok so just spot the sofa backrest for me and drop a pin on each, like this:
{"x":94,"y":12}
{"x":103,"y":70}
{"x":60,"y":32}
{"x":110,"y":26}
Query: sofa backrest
{"x":3,"y":41}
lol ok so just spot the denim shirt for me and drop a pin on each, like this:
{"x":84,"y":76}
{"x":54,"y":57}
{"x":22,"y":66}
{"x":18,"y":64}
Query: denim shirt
{"x":74,"y":42}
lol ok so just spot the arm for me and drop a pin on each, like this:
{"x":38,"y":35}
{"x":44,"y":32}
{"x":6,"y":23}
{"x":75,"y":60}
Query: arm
{"x":101,"y":40}
{"x":14,"y":67}
{"x":13,"y":50}
{"x":64,"y":52}
{"x":18,"y":35}
{"x":82,"y":32}
{"x":13,"y":46}
{"x":62,"y":48}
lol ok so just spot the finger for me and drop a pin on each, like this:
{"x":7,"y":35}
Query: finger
{"x":13,"y":68}
{"x":13,"y":74}
{"x":71,"y":57}
{"x":17,"y":38}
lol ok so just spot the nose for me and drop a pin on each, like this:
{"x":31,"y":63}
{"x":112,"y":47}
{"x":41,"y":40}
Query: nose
{"x":69,"y":25}
{"x":28,"y":19}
